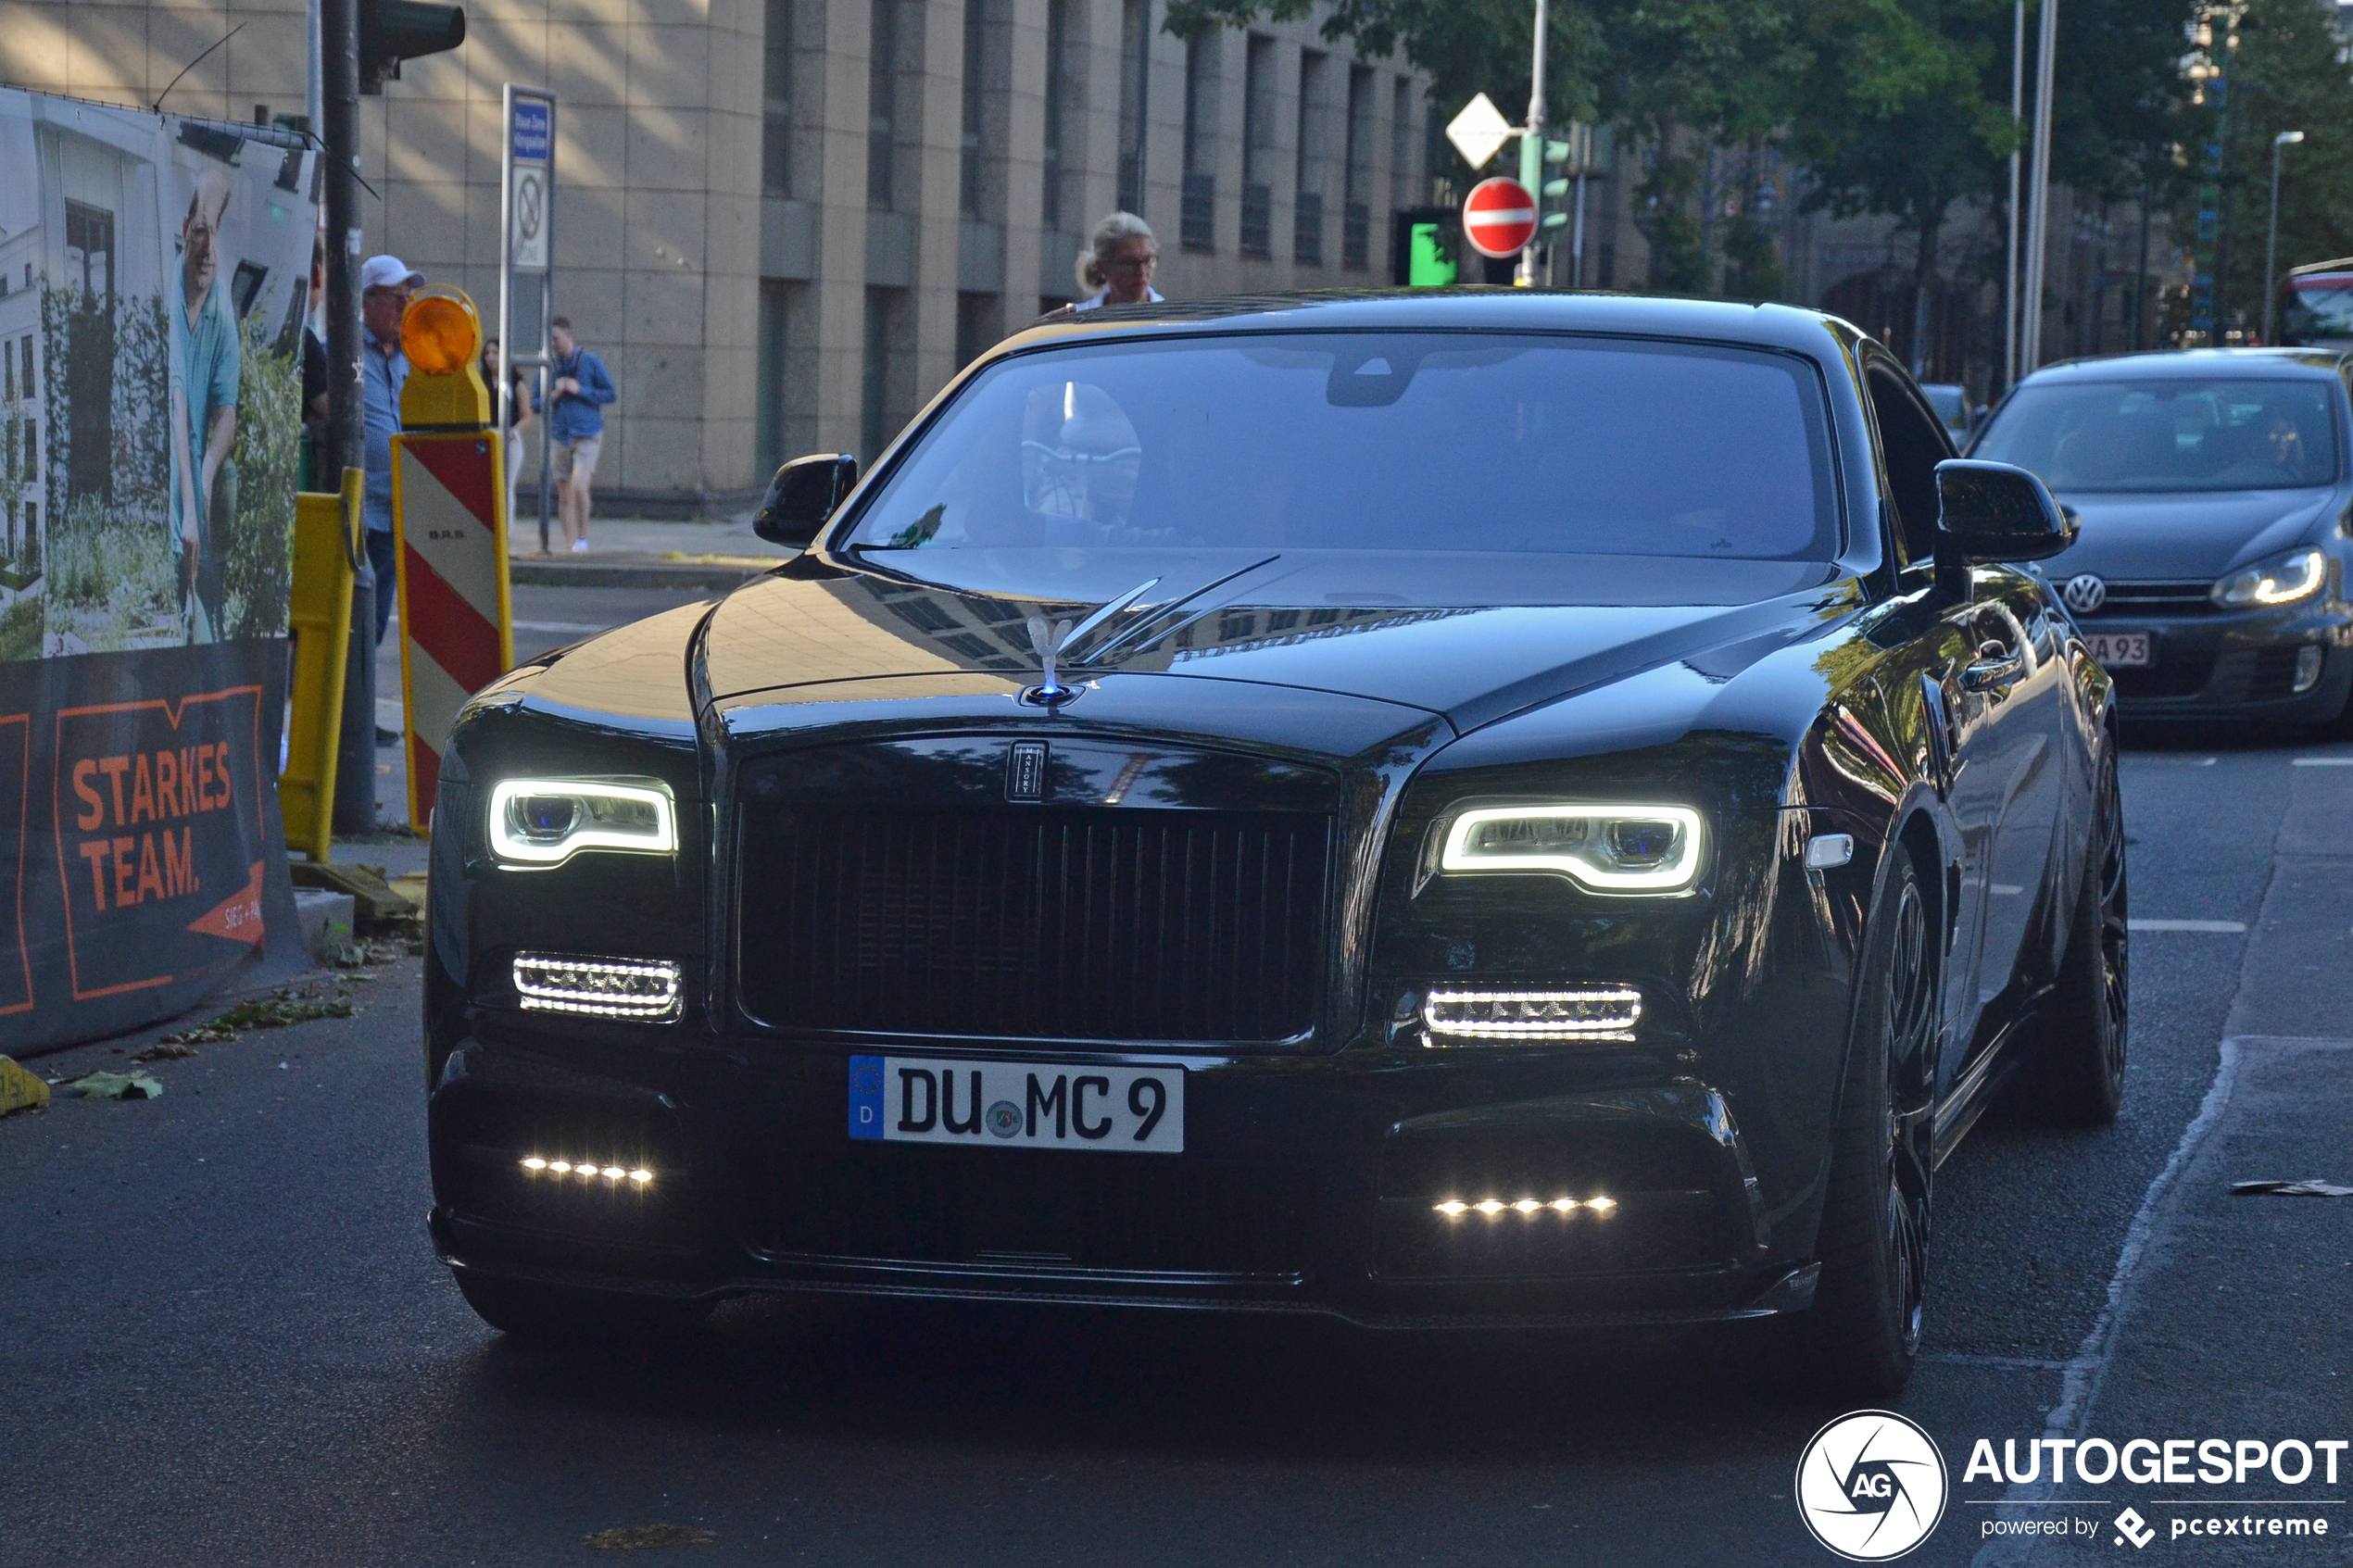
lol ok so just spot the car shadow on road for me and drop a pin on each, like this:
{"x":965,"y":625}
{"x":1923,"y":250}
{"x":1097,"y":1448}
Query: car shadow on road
{"x":1173,"y":1384}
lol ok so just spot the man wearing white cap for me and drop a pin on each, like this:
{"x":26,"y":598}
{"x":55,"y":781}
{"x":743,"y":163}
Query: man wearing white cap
{"x":386,"y":284}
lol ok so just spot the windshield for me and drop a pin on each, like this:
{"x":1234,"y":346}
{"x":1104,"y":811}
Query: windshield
{"x":2318,"y":309}
{"x":1388,"y":441}
{"x":2169,"y":435}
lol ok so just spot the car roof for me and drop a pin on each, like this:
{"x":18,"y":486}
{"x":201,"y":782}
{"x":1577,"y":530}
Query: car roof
{"x":1461,"y":309}
{"x":2187,"y":364}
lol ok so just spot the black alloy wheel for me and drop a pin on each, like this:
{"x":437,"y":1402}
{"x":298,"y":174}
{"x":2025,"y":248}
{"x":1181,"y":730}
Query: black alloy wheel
{"x":1863,"y":1335}
{"x":2075,"y":1077}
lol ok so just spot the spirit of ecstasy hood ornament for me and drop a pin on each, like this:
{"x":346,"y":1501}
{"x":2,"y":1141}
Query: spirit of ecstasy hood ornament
{"x":1057,"y":641}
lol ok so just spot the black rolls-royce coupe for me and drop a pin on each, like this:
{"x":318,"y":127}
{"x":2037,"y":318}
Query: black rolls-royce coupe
{"x":1484,"y":808}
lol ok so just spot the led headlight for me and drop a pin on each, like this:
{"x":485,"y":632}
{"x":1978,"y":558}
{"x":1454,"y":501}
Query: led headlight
{"x":640,"y":988}
{"x":2281,"y":580}
{"x":1608,"y":849}
{"x":1583,"y":1012}
{"x":546,"y":822}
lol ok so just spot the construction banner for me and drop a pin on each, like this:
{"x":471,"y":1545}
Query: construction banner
{"x":154,"y":280}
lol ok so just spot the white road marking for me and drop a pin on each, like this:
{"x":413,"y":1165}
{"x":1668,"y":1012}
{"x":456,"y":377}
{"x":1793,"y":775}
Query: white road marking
{"x":2219,"y":927}
{"x":2004,"y":889}
{"x":2323,"y":763}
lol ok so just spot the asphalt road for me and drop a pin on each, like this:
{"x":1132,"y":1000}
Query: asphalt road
{"x":228,"y":1342}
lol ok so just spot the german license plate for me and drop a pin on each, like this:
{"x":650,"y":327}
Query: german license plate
{"x":1017,"y":1104}
{"x":2113,"y":650}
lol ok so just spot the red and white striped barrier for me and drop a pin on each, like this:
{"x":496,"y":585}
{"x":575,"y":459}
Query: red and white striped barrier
{"x":456,"y":617}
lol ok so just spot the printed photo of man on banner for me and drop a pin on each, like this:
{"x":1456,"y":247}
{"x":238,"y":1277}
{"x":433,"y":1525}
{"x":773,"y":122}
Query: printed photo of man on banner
{"x":154,"y":273}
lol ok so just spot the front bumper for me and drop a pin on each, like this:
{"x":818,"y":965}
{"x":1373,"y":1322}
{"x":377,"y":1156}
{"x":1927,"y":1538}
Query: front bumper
{"x":2237,"y":664}
{"x":1305,"y":1186}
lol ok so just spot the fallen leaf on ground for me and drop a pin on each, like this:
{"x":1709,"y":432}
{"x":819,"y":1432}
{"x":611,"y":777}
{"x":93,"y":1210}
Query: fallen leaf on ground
{"x":648,"y":1537}
{"x":115,"y":1085}
{"x":166,"y":1050}
{"x":2289,"y":1189}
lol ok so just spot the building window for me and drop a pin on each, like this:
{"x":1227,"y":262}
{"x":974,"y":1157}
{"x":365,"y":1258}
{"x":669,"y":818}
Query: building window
{"x":28,"y":354}
{"x":976,"y":35}
{"x":1402,"y":184}
{"x":1134,"y":86}
{"x":1356,"y":214}
{"x":977,"y":322}
{"x":1197,"y":230}
{"x":775,"y":101}
{"x":882,"y":82}
{"x":887,"y":387}
{"x":778,"y":398}
{"x":1258,"y":131}
{"x":1064,"y":88}
{"x":30,"y":467}
{"x":1307,"y":218}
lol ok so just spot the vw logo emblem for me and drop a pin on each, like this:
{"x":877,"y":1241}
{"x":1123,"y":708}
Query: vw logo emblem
{"x":2085,"y":593}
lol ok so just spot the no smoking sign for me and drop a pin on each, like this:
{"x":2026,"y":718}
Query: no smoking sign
{"x":528,"y":208}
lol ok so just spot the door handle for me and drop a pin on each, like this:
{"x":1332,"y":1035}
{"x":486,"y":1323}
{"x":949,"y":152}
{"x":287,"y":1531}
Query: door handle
{"x":1996,"y":665}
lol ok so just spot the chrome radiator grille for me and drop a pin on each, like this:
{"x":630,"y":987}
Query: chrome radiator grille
{"x":1036,"y":923}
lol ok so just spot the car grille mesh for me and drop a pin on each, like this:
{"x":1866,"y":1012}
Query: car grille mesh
{"x":1036,"y":923}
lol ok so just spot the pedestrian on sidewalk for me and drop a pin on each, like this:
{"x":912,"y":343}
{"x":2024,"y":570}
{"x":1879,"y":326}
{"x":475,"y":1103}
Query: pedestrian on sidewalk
{"x":576,"y":402}
{"x":1117,"y":265}
{"x":386,"y":285}
{"x":522,"y":414}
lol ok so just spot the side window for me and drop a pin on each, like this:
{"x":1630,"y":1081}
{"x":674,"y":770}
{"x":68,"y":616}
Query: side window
{"x":1913,"y":441}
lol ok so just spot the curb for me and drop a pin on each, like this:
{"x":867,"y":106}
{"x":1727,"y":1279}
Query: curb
{"x":629,"y":573}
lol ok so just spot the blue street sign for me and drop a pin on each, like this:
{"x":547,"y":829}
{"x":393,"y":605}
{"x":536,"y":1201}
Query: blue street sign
{"x":533,"y":125}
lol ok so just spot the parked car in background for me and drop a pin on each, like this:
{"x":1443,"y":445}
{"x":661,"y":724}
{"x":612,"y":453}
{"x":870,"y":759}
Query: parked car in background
{"x":2316,"y":306}
{"x":1951,"y":402}
{"x":2209,"y":572}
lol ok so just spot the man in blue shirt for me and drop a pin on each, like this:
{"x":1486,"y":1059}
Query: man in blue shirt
{"x":204,"y":335}
{"x":576,"y":400}
{"x":386,"y":284}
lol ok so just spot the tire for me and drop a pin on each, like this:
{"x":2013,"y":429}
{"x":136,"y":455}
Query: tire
{"x":523,"y":1309}
{"x":2075,"y":1074}
{"x":1863,"y":1335}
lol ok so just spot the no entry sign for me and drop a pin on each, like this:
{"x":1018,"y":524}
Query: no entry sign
{"x":1499,"y":218}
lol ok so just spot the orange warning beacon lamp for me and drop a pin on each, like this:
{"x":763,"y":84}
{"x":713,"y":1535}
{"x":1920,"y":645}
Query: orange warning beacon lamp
{"x":441,"y":334}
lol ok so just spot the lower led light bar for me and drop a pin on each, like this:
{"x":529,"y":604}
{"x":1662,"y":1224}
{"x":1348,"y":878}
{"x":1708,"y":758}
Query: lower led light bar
{"x":1584,"y":1012}
{"x":639,"y":988}
{"x":1495,"y":1208}
{"x":587,"y":1170}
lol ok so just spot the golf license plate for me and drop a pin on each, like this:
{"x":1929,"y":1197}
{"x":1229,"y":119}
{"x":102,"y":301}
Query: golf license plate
{"x":2113,"y":650}
{"x":1017,"y":1104}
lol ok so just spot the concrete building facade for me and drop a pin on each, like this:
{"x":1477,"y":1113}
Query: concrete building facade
{"x":787,"y":223}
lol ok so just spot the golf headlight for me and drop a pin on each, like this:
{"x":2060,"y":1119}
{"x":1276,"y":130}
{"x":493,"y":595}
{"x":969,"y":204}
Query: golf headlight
{"x":2281,"y":580}
{"x":546,"y":822}
{"x":1608,"y":849}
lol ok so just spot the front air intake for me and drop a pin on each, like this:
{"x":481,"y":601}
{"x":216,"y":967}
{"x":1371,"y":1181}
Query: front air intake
{"x":1036,"y":923}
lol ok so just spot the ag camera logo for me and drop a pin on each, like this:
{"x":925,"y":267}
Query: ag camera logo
{"x":1872,"y":1486}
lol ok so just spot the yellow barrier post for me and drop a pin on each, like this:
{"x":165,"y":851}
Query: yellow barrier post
{"x":326,"y":543}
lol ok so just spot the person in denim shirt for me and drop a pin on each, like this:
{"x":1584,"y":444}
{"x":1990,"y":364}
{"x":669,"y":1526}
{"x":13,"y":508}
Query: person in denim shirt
{"x":576,"y":400}
{"x":204,"y":414}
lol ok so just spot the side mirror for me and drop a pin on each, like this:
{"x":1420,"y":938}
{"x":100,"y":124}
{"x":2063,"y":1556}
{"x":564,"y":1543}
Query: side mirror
{"x":1993,"y":512}
{"x":802,"y":496}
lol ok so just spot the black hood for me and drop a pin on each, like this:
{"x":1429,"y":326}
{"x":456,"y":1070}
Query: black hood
{"x":1469,"y":638}
{"x":2183,"y":538}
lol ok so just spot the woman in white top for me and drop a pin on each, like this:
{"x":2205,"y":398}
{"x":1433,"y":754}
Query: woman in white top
{"x":1116,"y":266}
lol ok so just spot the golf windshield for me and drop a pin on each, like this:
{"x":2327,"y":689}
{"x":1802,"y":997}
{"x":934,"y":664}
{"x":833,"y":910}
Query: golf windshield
{"x":2169,"y":435}
{"x":1387,"y":441}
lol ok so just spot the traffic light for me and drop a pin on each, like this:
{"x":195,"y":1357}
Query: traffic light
{"x":1564,"y":160}
{"x":394,"y":31}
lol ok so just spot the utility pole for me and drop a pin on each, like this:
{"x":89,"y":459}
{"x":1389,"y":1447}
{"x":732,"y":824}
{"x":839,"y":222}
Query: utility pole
{"x":2009,"y":239}
{"x":2039,"y":195}
{"x":1531,"y":150}
{"x":2272,"y":241}
{"x":346,"y":420}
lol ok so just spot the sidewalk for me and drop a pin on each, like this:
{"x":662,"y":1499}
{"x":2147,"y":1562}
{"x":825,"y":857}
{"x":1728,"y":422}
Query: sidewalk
{"x":639,"y":552}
